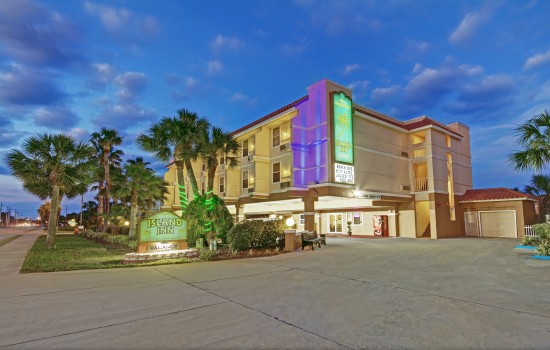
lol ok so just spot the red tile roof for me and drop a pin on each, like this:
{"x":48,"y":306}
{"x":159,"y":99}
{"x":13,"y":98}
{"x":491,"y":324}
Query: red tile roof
{"x":408,"y":124}
{"x":491,"y":194}
{"x":271,"y":115}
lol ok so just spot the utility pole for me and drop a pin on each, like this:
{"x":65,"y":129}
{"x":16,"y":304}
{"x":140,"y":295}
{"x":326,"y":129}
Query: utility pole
{"x":81,"y":205}
{"x":8,"y":214}
{"x":1,"y":221}
{"x":66,"y":222}
{"x":15,"y":215}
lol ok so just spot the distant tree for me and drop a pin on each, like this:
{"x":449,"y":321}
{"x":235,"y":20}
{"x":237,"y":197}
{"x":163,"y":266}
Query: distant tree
{"x":540,"y":187}
{"x":534,"y":138}
{"x":51,"y":166}
{"x":107,"y":156}
{"x":177,"y":139}
{"x":139,"y":186}
{"x":44,"y":211}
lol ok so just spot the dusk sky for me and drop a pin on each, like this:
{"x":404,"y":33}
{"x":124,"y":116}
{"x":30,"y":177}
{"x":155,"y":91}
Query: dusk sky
{"x":74,"y":67}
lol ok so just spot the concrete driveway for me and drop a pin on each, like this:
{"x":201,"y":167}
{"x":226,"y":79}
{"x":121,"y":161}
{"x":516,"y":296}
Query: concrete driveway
{"x":352,"y":294}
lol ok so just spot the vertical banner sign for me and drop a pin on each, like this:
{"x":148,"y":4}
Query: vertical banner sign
{"x":343,"y":128}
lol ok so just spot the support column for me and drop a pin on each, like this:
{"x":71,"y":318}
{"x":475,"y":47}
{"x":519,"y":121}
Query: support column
{"x":239,"y":213}
{"x":309,"y":213}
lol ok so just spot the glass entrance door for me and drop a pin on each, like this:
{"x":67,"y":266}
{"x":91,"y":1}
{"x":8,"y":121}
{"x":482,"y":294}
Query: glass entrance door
{"x":335,"y":223}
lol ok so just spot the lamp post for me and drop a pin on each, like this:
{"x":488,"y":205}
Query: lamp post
{"x":290,"y":235}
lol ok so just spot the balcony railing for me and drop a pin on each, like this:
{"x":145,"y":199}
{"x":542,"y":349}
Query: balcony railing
{"x":421,"y":184}
{"x":419,"y":153}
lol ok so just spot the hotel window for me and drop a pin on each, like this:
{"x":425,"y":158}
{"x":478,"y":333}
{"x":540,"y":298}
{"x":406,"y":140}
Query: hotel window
{"x":302,"y":219}
{"x":276,"y":137}
{"x":448,"y":141}
{"x":203,"y":166}
{"x":245,"y":148}
{"x":222,"y":184}
{"x":276,"y":172}
{"x":356,"y":218}
{"x":222,"y":160}
{"x":245,"y":179}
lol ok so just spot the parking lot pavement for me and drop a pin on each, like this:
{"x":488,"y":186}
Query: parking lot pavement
{"x":351,"y":294}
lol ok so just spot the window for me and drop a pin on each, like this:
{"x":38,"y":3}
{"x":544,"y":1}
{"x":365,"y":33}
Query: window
{"x":276,"y":172}
{"x":245,"y":148}
{"x":222,"y":160}
{"x":222,"y":184}
{"x":302,"y":219}
{"x":448,"y":141}
{"x":203,"y":166}
{"x":276,"y":137}
{"x":355,"y":217}
{"x":245,"y":179}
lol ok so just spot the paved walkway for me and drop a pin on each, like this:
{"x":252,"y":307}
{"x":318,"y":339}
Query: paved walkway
{"x":14,"y":245}
{"x":463,"y":293}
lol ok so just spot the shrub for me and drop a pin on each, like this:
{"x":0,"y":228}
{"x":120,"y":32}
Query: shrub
{"x":258,"y":234}
{"x":119,"y":230}
{"x":108,"y":238}
{"x":543,"y":233}
{"x":206,"y":254}
{"x":530,"y":241}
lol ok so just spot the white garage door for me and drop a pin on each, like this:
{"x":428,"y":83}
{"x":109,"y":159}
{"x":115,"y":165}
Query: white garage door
{"x":501,"y":223}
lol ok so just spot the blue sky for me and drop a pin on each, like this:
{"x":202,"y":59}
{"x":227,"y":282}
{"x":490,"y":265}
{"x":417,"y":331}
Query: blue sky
{"x":76,"y":66}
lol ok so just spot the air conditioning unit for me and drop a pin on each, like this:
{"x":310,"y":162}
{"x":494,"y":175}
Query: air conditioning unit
{"x":285,"y":184}
{"x":405,"y":154}
{"x":405,"y":188}
{"x":251,"y":158}
{"x":285,"y":147}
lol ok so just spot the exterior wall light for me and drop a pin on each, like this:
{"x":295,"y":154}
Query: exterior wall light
{"x":290,"y":222}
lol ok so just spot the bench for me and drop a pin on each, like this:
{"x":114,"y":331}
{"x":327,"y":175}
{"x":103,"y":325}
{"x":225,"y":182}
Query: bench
{"x":310,"y":238}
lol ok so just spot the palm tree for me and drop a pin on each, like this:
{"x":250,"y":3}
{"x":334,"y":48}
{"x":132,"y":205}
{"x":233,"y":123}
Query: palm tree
{"x":51,"y":166}
{"x":216,"y":144}
{"x":104,"y":142}
{"x":534,"y":137}
{"x":177,"y":139}
{"x":540,"y":187}
{"x":139,"y":186}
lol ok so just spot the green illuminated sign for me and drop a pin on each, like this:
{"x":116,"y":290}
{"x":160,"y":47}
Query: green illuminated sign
{"x":343,"y":128}
{"x":162,"y":226}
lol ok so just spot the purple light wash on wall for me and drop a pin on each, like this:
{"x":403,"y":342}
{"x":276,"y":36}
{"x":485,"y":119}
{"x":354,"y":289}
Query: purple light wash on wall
{"x":309,"y":136}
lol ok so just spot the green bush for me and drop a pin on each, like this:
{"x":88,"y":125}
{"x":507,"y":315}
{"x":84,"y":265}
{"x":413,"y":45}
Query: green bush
{"x":109,"y":238}
{"x":543,"y":235}
{"x":258,"y":234}
{"x":119,"y":230}
{"x":530,"y":241}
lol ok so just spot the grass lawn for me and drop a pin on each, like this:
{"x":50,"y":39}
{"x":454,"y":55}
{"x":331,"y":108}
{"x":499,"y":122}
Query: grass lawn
{"x":73,"y":252}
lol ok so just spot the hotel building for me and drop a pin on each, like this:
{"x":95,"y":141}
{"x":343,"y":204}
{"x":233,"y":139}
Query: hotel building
{"x":334,"y":166}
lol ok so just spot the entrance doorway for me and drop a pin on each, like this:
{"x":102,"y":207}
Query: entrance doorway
{"x":335,"y":223}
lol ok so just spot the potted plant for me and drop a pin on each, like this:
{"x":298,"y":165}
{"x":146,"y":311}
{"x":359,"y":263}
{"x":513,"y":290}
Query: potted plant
{"x":349,"y":228}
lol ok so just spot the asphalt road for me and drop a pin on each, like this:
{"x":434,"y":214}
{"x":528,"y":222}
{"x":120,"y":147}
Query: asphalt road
{"x":352,"y":294}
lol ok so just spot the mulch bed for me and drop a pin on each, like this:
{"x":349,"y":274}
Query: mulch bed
{"x":224,"y":253}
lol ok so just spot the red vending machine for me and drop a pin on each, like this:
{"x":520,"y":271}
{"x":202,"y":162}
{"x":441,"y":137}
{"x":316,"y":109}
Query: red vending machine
{"x":380,"y":223}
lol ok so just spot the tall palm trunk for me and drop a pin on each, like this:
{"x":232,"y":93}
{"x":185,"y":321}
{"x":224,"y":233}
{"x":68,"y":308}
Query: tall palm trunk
{"x":192,"y":178}
{"x":52,"y":225}
{"x":100,"y":204}
{"x":181,"y":185}
{"x":107,"y":179}
{"x":210,"y":186}
{"x":133,"y":218}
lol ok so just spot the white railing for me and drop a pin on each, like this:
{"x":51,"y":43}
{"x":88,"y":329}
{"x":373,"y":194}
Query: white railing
{"x":529,"y":232}
{"x":419,"y":153}
{"x":421,"y":184}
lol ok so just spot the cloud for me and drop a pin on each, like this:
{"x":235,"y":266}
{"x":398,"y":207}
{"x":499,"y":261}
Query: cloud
{"x":130,"y":85}
{"x":123,"y":116}
{"x":101,"y":75}
{"x":25,"y":86}
{"x":125,"y":25}
{"x":537,"y":60}
{"x":226,"y":43}
{"x":186,"y":87}
{"x":294,"y":49}
{"x":9,"y":136}
{"x":382,"y":94}
{"x":240,"y":97}
{"x":469,"y":25}
{"x":36,"y":36}
{"x":351,"y":68}
{"x":214,"y":67}
{"x":79,"y":134}
{"x":55,"y":117}
{"x":359,"y":88}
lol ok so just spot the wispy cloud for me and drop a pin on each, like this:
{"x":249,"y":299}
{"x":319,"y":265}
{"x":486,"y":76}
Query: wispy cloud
{"x":470,"y":24}
{"x":226,"y":43}
{"x":351,"y":68}
{"x":359,"y":88}
{"x":186,"y":87}
{"x":382,"y":94}
{"x":55,"y":117}
{"x":214,"y":67}
{"x":537,"y":60}
{"x":123,"y":24}
{"x":240,"y":97}
{"x":130,"y":85}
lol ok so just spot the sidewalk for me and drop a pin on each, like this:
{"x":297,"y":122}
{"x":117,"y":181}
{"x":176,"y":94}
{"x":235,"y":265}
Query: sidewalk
{"x":12,"y":253}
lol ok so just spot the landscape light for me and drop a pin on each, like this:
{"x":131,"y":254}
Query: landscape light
{"x":290,"y":221}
